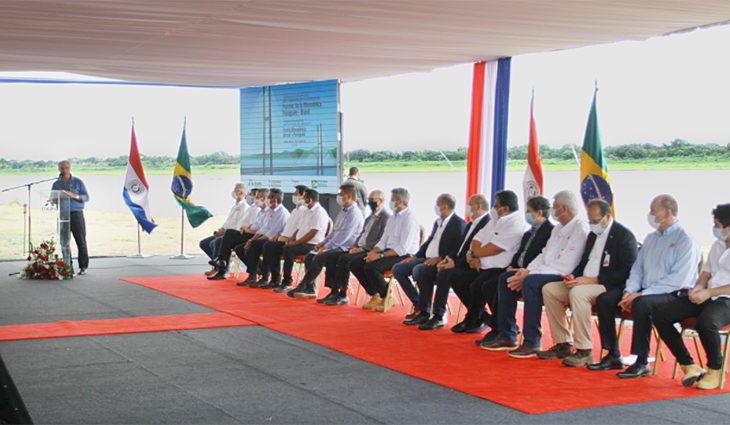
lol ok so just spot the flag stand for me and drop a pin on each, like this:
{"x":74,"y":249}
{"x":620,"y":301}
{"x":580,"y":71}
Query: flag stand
{"x":139,"y":246}
{"x":182,"y":256}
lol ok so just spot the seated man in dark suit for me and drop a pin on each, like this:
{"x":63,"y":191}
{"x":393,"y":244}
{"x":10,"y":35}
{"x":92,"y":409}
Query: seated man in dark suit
{"x":531,"y":245}
{"x":444,"y":241}
{"x":478,"y":212}
{"x":607,"y":259}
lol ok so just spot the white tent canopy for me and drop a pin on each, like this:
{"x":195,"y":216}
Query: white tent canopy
{"x":257,"y":42}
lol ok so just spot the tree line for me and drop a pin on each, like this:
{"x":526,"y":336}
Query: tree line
{"x":677,"y":148}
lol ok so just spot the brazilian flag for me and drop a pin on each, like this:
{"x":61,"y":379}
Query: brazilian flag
{"x":182,"y":186}
{"x":594,"y":180}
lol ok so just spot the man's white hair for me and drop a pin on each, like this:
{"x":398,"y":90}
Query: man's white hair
{"x":567,"y":198}
{"x":241,"y":187}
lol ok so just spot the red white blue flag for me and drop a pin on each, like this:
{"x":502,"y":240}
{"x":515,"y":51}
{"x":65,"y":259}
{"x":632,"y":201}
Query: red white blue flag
{"x":532,"y":182}
{"x":136,"y":188}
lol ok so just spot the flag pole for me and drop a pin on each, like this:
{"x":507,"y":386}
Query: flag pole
{"x":182,"y":255}
{"x":139,"y":245}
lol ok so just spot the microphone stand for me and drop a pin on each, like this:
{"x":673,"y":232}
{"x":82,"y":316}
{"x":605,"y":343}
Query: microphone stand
{"x":29,"y":186}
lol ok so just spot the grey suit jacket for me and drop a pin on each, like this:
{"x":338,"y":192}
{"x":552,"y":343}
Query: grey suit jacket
{"x":368,"y":241}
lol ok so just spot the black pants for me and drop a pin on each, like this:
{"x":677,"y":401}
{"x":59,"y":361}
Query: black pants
{"x":290,"y":253}
{"x":642,"y":313}
{"x":344,"y":266}
{"x":440,"y":280}
{"x":607,"y":309}
{"x":272,"y":252}
{"x":460,"y":280}
{"x":232,"y":238}
{"x":253,"y":255}
{"x":78,"y":229}
{"x":370,"y":274}
{"x":315,"y":263}
{"x":711,"y":317}
{"x":483,"y":291}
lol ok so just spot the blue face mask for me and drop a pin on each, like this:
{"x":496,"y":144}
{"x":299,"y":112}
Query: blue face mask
{"x":719,"y":234}
{"x":529,"y":219}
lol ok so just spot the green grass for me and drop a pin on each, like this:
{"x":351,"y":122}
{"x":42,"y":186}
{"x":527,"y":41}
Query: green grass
{"x":420,"y":166}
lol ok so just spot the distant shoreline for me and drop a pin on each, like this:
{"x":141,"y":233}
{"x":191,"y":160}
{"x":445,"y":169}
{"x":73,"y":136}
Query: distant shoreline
{"x":417,"y":166}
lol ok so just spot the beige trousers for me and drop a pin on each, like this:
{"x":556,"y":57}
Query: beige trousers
{"x":556,"y":297}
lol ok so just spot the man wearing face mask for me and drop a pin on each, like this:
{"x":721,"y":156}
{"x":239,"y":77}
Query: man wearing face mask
{"x":531,"y":245}
{"x":477,"y":210}
{"x":665,"y":269}
{"x":372,"y":232}
{"x":400,"y":240}
{"x":233,"y":239}
{"x":271,"y":225}
{"x":211,"y":244}
{"x":560,"y":256}
{"x":272,"y":248}
{"x":609,"y":253}
{"x":709,"y":303}
{"x":346,"y":229}
{"x":444,"y":241}
{"x":492,"y":248}
{"x":310,"y":232}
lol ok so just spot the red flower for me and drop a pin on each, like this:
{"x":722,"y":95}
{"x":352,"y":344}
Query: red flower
{"x":61,"y":264}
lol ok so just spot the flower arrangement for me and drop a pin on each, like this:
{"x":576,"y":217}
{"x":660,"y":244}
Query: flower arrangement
{"x":45,"y":263}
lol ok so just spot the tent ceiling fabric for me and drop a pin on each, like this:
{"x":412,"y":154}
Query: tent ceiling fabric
{"x":258,"y":42}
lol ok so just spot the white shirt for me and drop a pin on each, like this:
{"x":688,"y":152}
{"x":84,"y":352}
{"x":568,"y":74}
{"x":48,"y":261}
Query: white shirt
{"x":401,"y":233}
{"x":563,"y":250}
{"x":433,"y":247}
{"x":235,"y":215}
{"x":506,"y":233}
{"x":593,"y":266}
{"x":718,"y":265}
{"x":249,"y":217}
{"x":295,"y":219}
{"x":275,"y":221}
{"x":314,"y":218}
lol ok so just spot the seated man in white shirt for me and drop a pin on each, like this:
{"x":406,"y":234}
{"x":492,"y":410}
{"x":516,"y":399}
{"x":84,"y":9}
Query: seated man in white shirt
{"x":399,"y":241}
{"x":272,"y":248}
{"x":709,"y":303}
{"x":559,"y":258}
{"x":609,"y":253}
{"x":212,"y":244}
{"x":311,"y":231}
{"x":493,"y":248}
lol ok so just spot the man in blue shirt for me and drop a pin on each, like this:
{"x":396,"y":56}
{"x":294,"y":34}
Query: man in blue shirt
{"x":75,"y":189}
{"x":667,"y":267}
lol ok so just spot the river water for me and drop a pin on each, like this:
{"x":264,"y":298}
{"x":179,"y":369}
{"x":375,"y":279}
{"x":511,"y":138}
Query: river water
{"x":697,"y":192}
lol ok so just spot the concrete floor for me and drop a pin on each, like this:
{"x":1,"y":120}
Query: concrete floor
{"x":233,"y":375}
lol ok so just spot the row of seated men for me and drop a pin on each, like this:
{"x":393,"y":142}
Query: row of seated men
{"x":501,"y":256}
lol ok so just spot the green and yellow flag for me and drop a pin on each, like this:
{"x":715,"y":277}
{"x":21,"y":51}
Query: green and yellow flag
{"x":594,"y":180}
{"x":182,"y":186}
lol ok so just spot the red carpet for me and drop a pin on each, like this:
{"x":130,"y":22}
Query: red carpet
{"x":441,"y":357}
{"x":126,"y":325}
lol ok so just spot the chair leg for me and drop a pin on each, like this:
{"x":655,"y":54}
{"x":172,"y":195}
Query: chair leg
{"x":655,"y":368}
{"x":698,"y":348}
{"x":458,"y":312}
{"x":659,"y":351}
{"x":621,"y":324}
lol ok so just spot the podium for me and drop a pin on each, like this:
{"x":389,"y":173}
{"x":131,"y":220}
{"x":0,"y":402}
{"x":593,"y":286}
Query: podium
{"x":59,"y":204}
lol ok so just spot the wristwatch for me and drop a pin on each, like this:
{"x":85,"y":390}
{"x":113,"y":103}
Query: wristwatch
{"x":382,"y":255}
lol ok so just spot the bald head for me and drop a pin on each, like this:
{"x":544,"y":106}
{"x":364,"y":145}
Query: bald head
{"x":663,"y":212}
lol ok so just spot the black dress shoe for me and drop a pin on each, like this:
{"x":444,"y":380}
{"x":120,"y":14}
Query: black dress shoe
{"x":481,"y":327}
{"x":283,"y":288}
{"x":419,"y":319}
{"x":635,"y":371}
{"x":432,"y":324}
{"x":338,"y":300}
{"x":213,"y":262}
{"x":221,"y":275}
{"x":607,"y":363}
{"x":271,"y":285}
{"x":490,"y":336}
{"x":82,"y":271}
{"x":332,"y":294}
{"x":249,"y":280}
{"x":460,"y":327}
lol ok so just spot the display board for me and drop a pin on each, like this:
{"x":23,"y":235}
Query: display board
{"x":290,"y":135}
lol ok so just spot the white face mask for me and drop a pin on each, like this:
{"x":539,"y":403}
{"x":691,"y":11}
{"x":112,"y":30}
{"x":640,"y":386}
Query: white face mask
{"x":262,"y":204}
{"x":719,"y":234}
{"x":392,"y":205}
{"x":340,"y":202}
{"x":652,"y":221}
{"x":597,"y":228}
{"x":469,"y":212}
{"x":493,"y":213}
{"x":436,"y":210}
{"x":553,"y":214}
